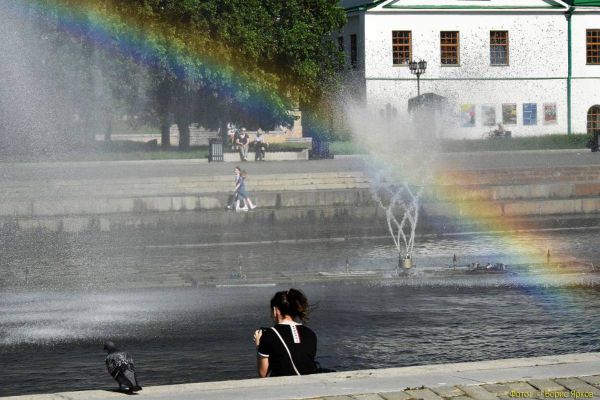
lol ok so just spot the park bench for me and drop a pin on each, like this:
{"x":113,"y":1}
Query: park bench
{"x":299,"y":140}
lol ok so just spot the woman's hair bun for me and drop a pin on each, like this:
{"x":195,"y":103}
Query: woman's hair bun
{"x":292,"y":302}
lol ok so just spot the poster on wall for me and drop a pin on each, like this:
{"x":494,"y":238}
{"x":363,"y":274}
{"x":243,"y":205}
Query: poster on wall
{"x":488,"y":115}
{"x":549,"y":113}
{"x":509,"y":114}
{"x":529,"y":114}
{"x":467,"y":115}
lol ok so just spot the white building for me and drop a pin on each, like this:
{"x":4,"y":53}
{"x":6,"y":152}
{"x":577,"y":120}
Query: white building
{"x":529,"y":64}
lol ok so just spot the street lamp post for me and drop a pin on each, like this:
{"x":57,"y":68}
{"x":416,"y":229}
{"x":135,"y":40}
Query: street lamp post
{"x":417,"y":68}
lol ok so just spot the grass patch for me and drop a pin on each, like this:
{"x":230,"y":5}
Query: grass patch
{"x":547,"y":142}
{"x":346,"y":147}
{"x":115,"y":151}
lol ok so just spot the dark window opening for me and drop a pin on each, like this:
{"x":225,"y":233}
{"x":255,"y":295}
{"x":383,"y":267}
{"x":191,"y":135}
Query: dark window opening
{"x":401,"y":47}
{"x":499,"y":47}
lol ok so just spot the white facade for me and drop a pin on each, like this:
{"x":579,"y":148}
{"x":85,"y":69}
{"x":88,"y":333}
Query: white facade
{"x":535,"y":78}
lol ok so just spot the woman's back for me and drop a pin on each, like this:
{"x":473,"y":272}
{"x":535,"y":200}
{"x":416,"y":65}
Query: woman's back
{"x":301,"y":342}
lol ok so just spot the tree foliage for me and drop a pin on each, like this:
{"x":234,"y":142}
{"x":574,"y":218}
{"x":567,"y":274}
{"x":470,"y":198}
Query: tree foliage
{"x":212,"y":61}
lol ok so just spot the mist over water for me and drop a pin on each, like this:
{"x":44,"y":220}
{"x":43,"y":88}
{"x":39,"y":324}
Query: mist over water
{"x":402,"y":150}
{"x":91,"y":292}
{"x":54,"y":91}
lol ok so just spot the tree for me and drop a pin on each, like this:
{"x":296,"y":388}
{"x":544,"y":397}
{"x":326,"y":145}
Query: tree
{"x":196,"y":61}
{"x":215,"y":61}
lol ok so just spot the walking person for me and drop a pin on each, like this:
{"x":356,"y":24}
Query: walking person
{"x":289,"y":347}
{"x":240,"y":190}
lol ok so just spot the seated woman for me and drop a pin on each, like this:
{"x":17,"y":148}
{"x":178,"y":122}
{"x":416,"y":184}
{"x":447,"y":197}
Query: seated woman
{"x":288,"y":348}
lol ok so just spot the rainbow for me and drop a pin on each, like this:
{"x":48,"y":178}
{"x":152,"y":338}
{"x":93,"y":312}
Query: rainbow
{"x":193,"y":58}
{"x":526,"y":246}
{"x":113,"y":28}
{"x":458,"y":192}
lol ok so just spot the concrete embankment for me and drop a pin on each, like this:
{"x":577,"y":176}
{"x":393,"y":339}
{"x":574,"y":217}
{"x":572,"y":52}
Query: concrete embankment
{"x":530,"y":196}
{"x":570,"y":376}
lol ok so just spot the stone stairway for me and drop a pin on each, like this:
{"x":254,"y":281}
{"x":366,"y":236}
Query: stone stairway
{"x":516,"y":192}
{"x":54,"y":203}
{"x":96,"y":197}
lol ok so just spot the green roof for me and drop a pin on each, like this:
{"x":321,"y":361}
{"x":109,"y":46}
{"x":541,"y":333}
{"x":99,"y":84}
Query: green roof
{"x":549,"y":4}
{"x":584,"y":3}
{"x":365,"y":6}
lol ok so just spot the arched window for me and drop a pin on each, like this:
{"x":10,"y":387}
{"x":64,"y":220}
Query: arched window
{"x":593,"y":120}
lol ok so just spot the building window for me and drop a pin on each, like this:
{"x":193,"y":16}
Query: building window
{"x":499,"y":47}
{"x":593,"y":120}
{"x":449,"y":47}
{"x":401,"y":47}
{"x":593,"y":46}
{"x":353,"y":52}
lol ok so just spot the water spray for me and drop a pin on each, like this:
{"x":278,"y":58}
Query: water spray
{"x":402,"y":158}
{"x":401,"y":206}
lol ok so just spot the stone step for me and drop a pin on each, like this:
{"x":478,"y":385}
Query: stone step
{"x":464,"y":185}
{"x":193,"y":179}
{"x":486,"y":209}
{"x":216,"y":190}
{"x":521,"y":191}
{"x":520,"y":175}
{"x":440,"y":193}
{"x":108,"y":205}
{"x":284,"y":182}
{"x":329,"y":198}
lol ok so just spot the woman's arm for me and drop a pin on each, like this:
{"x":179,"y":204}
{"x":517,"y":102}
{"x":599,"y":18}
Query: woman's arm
{"x":262,"y":363}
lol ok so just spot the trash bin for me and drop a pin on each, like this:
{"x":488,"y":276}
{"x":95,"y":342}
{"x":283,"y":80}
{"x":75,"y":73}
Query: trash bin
{"x":215,"y":150}
{"x":320,"y":149}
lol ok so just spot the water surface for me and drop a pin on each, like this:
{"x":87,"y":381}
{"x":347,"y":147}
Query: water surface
{"x":52,"y":327}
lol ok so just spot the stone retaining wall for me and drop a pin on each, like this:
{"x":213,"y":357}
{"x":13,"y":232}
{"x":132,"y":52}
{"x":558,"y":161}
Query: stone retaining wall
{"x":73,"y":205}
{"x":556,"y":377}
{"x":522,"y":175}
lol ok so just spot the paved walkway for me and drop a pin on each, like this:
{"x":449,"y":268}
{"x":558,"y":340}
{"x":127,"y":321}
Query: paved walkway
{"x":571,"y":376}
{"x":179,"y":168}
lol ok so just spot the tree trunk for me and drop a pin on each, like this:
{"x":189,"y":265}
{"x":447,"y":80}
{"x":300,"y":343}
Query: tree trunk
{"x":165,"y":135}
{"x":165,"y":98}
{"x":223,"y":131}
{"x":184,"y":135}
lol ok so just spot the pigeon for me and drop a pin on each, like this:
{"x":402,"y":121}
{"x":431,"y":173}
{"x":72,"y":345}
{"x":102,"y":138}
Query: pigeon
{"x":120,"y":366}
